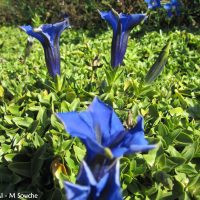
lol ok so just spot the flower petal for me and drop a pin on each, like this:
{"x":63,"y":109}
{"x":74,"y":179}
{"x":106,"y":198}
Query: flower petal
{"x":130,"y":149}
{"x":112,"y":190}
{"x":29,"y":30}
{"x":81,"y":125}
{"x":152,"y":4}
{"x":168,"y":8}
{"x":119,"y":151}
{"x":132,"y":141}
{"x":140,"y":148}
{"x":85,"y":176}
{"x":53,"y":31}
{"x":116,"y":59}
{"x":76,"y":192}
{"x":93,"y":148}
{"x":105,"y":120}
{"x":111,"y":18}
{"x":128,"y":21}
{"x":78,"y":124}
{"x":101,"y":184}
{"x":135,"y":136}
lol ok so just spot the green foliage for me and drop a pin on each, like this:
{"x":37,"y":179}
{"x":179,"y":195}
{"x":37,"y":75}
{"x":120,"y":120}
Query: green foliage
{"x":36,"y":152}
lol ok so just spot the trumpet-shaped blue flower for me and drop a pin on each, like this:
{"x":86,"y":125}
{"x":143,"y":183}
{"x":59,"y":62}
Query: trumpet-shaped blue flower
{"x":101,"y":131}
{"x":49,"y":36}
{"x":174,"y":5}
{"x":121,"y":24}
{"x":88,"y":188}
{"x":153,"y":4}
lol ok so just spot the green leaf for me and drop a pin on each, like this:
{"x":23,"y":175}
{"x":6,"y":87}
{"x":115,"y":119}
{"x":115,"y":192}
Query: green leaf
{"x":1,"y":91}
{"x":164,"y":178}
{"x":189,"y":151}
{"x":24,"y":122}
{"x":158,"y":66}
{"x":21,"y":168}
{"x":75,"y":104}
{"x":8,"y":119}
{"x":127,"y":178}
{"x":194,"y":184}
{"x":133,"y":188}
{"x":64,"y":106}
{"x":80,"y":153}
{"x":140,"y":168}
{"x":2,"y":138}
{"x":173,"y":152}
{"x":178,"y":190}
{"x":5,"y":148}
{"x":38,"y":141}
{"x":9,"y":157}
{"x":184,"y":138}
{"x":177,"y":160}
{"x":186,"y":169}
{"x":169,"y":165}
{"x":176,"y":111}
{"x":14,"y":110}
{"x":55,"y":123}
{"x":32,"y":128}
{"x":150,"y":191}
{"x":164,"y":133}
{"x":127,"y":84}
{"x":59,"y":82}
{"x":151,"y":156}
{"x":42,"y":115}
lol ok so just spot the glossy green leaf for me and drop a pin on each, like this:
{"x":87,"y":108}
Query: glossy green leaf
{"x":158,"y":66}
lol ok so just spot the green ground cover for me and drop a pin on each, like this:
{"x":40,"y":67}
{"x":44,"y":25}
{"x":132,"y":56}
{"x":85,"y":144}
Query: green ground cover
{"x":36,"y":150}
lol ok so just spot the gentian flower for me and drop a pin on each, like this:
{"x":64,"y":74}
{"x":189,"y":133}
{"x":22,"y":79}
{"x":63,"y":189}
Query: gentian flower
{"x":49,"y":36}
{"x":121,"y":24}
{"x":88,"y":188}
{"x":101,"y":131}
{"x":174,"y":5}
{"x":153,"y":4}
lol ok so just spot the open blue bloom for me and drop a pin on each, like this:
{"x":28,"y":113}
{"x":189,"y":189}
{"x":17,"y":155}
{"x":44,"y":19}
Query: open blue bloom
{"x":121,"y":24}
{"x":101,"y":131}
{"x":174,"y":5}
{"x":88,"y":188}
{"x":49,"y":36}
{"x":153,"y":4}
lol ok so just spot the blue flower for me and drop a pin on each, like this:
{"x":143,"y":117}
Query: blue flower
{"x":49,"y":36}
{"x":88,"y":188}
{"x":153,"y":4}
{"x":121,"y":24}
{"x":101,"y":131}
{"x":174,"y":5}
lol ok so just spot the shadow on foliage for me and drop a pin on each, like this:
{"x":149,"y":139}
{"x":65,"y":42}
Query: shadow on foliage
{"x":29,"y":172}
